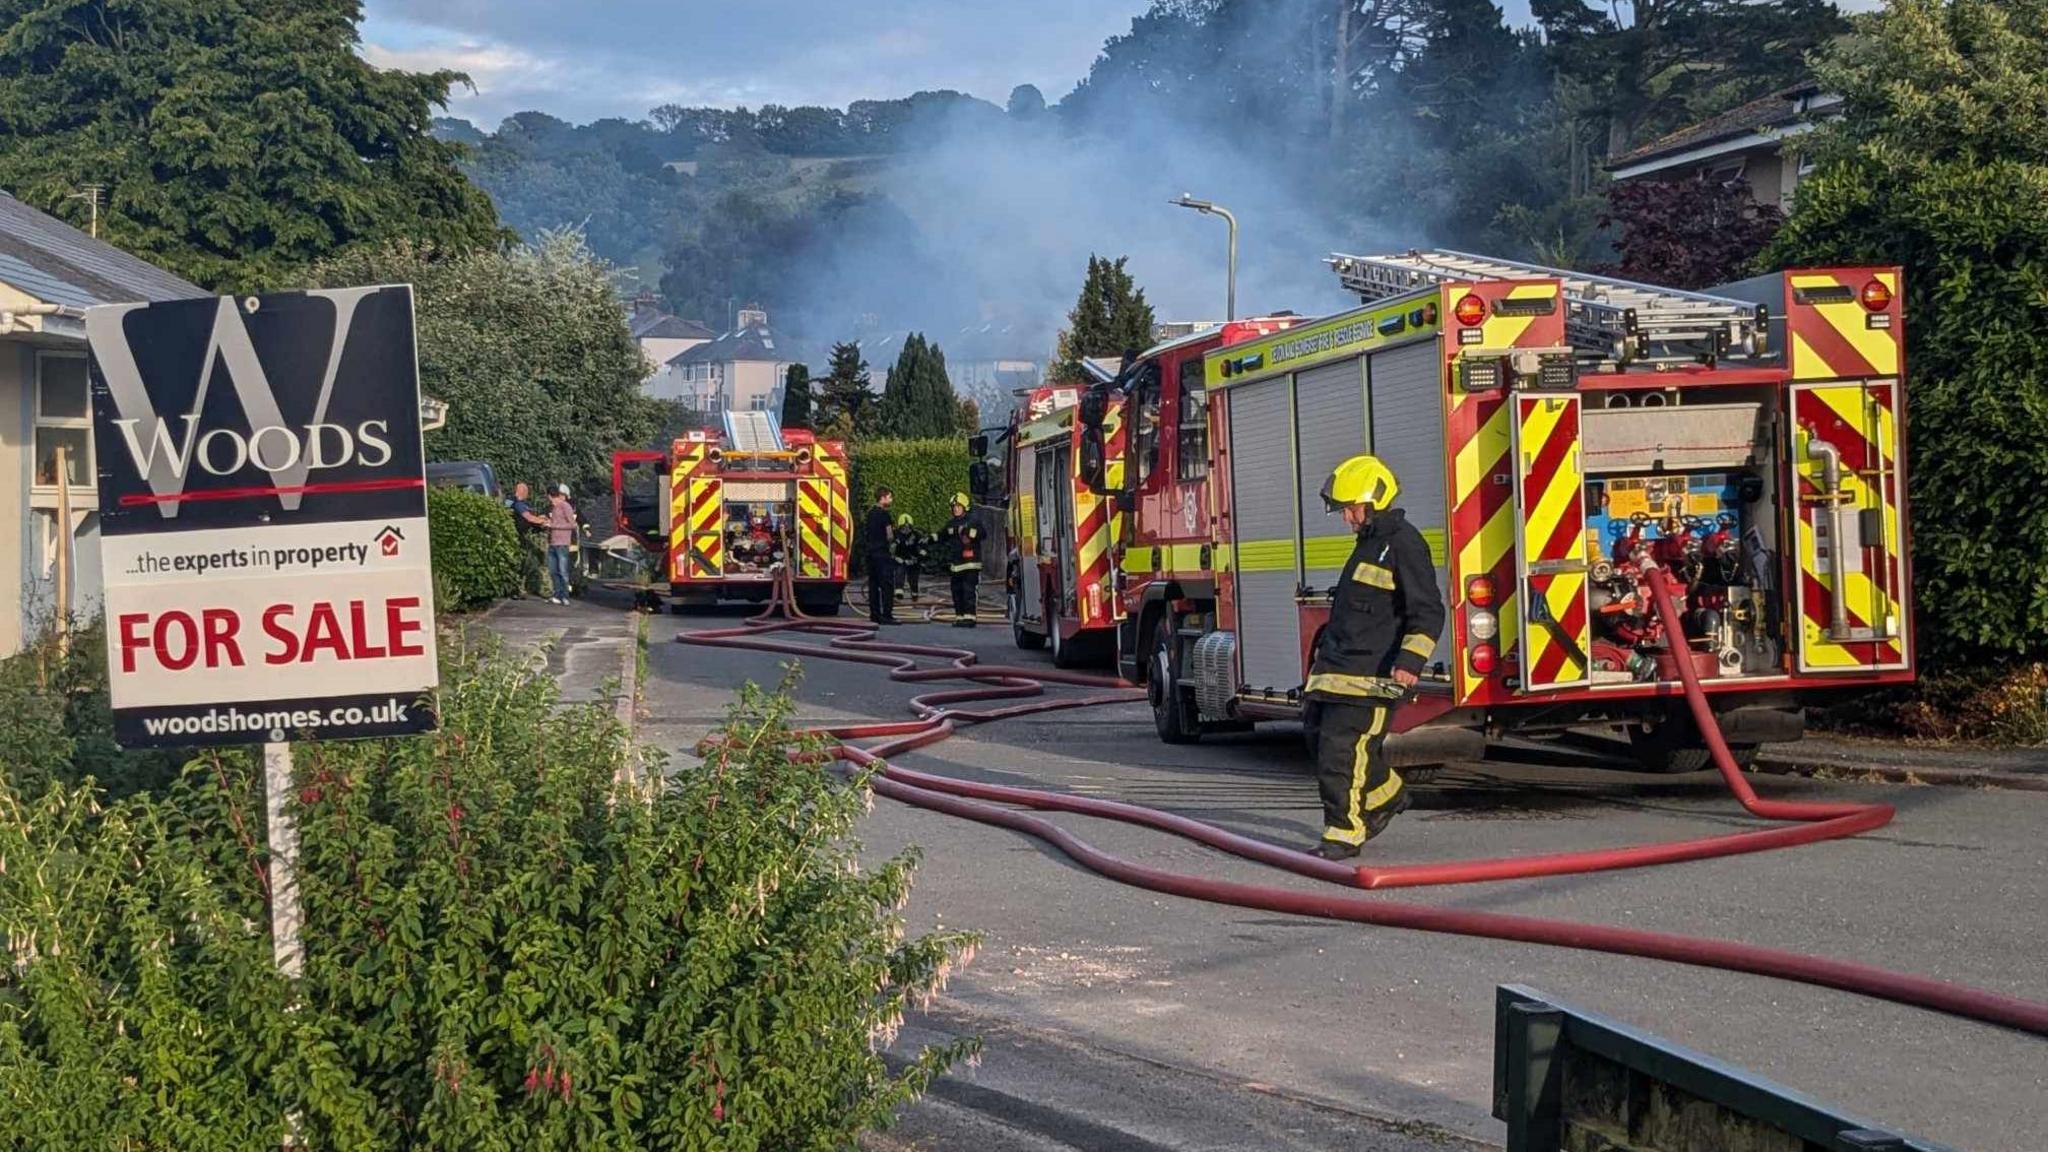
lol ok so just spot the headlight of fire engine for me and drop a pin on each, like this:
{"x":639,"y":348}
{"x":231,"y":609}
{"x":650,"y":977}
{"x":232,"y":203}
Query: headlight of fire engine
{"x":1482,"y":626}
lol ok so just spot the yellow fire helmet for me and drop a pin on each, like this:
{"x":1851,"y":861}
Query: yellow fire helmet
{"x":904,"y":521}
{"x":960,"y":500}
{"x":1360,"y":480}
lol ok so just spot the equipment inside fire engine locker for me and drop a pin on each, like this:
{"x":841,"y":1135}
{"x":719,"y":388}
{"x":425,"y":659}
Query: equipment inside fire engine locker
{"x":1710,"y":528}
{"x":754,"y":536}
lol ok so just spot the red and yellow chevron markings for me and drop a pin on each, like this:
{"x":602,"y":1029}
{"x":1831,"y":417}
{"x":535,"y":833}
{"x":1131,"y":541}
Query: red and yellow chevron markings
{"x":1481,"y":444}
{"x":1097,"y":525}
{"x":1831,"y":333}
{"x":814,"y":526}
{"x":1860,"y":422}
{"x":687,"y":456}
{"x":839,"y":541}
{"x":1553,"y":540}
{"x":696,"y":514}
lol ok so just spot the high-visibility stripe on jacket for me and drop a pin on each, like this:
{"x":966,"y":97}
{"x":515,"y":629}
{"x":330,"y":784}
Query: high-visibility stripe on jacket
{"x":1386,"y":614}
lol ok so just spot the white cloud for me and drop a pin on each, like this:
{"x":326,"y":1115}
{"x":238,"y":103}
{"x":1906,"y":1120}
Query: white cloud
{"x":622,"y":57}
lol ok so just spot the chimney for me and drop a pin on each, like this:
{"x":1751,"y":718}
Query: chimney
{"x":752,"y":316}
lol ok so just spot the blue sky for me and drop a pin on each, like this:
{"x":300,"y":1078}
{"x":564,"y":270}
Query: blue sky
{"x":622,"y":57}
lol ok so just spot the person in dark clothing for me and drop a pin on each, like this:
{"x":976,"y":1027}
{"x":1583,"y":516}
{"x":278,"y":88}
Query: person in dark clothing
{"x":962,"y":540}
{"x":879,"y":535}
{"x":911,"y":550}
{"x":1384,"y":622}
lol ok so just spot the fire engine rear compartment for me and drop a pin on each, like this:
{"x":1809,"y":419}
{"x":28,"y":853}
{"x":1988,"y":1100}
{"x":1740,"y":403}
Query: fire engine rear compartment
{"x":759,"y":524}
{"x":1682,"y":473}
{"x":1686,"y":478}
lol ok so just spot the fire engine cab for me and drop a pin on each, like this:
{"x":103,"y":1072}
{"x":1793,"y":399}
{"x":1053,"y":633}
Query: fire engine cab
{"x":724,"y":513}
{"x":1071,"y":517}
{"x":1556,"y":435}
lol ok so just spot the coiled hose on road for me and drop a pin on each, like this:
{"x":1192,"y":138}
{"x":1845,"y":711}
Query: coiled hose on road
{"x":937,"y":713}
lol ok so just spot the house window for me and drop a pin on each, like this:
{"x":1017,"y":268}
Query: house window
{"x":1192,"y":460}
{"x":63,"y":420}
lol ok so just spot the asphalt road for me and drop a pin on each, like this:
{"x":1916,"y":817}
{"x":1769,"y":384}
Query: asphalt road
{"x":1279,"y":1025}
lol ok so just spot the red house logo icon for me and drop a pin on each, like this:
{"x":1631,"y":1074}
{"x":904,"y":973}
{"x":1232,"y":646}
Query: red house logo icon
{"x":387,"y":540}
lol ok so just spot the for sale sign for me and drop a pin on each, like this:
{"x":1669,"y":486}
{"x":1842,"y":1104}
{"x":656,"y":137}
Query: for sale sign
{"x":263,"y":522}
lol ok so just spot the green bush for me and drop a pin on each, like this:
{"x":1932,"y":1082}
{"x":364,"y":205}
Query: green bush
{"x":477,"y":558}
{"x":511,"y":940}
{"x":924,"y":475}
{"x":1987,"y":704}
{"x":55,"y":724}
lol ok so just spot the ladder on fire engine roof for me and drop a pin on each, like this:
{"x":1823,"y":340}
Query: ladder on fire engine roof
{"x":1608,"y":320}
{"x":749,"y":430}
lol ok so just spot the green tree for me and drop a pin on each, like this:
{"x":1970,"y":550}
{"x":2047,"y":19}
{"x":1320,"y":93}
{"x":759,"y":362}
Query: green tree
{"x":530,"y":350}
{"x":846,"y":406}
{"x":917,"y":397}
{"x":237,"y":139}
{"x":1940,"y":164}
{"x":796,"y":397}
{"x":1657,"y":65}
{"x":1111,"y":318}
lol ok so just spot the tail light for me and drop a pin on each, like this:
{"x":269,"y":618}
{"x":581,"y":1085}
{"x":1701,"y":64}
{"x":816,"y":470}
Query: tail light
{"x":1479,"y":591}
{"x":1469,"y":310}
{"x":1875,"y":296}
{"x":1485,"y":658}
{"x":1482,"y":625}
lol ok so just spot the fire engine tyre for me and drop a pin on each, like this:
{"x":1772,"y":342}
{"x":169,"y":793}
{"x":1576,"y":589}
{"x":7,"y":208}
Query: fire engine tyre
{"x":1024,"y":637}
{"x":1066,"y":652}
{"x":1173,"y":714}
{"x":1674,"y":748}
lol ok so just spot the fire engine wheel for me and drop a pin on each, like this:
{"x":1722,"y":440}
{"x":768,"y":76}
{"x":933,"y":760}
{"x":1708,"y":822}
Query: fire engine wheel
{"x":1675,"y":748}
{"x":1066,"y":653}
{"x":1024,"y":637}
{"x":1173,"y":714}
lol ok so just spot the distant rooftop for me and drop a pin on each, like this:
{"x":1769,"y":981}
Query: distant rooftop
{"x":54,"y":262}
{"x":1777,"y":111}
{"x":753,"y":342}
{"x":671,"y":328}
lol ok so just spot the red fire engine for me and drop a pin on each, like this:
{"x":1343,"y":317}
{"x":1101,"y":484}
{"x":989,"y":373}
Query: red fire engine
{"x":724,"y":512}
{"x":1555,"y":434}
{"x":1071,"y":539}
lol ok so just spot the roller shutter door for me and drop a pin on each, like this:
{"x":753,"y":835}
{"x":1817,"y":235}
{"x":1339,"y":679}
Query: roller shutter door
{"x":1331,"y":401}
{"x":1406,"y":386}
{"x":1265,"y":512}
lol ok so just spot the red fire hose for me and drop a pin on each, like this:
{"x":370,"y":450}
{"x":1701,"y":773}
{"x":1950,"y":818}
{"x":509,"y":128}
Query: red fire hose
{"x":968,"y":799}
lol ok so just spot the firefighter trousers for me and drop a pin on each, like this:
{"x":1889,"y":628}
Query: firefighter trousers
{"x":881,"y":587}
{"x":963,"y":592}
{"x":1360,"y":791}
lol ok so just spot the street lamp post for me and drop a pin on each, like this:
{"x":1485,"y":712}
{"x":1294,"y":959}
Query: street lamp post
{"x":1210,"y":208}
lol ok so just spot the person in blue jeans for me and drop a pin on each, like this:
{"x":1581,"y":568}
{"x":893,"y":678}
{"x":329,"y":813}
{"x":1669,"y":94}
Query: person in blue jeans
{"x":561,"y":540}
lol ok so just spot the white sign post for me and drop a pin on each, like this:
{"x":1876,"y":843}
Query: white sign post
{"x":263,"y":532}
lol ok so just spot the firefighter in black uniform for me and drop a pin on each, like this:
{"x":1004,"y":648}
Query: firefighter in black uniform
{"x":911,"y":550}
{"x":879,"y":535}
{"x":1384,"y":621}
{"x":962,"y":539}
